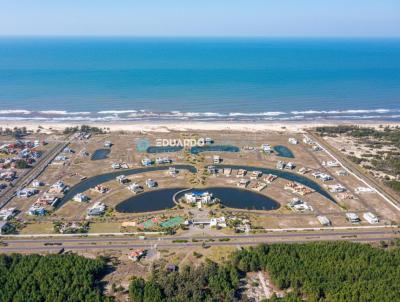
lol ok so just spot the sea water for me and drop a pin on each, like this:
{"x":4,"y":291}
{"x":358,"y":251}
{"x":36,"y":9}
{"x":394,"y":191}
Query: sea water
{"x":199,"y":79}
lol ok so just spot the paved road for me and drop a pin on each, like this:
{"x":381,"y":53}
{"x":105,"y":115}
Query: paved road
{"x":357,"y":170}
{"x":217,"y":237}
{"x":174,"y":245}
{"x":89,"y":243}
{"x":32,"y":174}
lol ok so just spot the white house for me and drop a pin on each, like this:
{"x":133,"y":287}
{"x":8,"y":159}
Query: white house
{"x":150,"y":183}
{"x":308,"y":140}
{"x":322,"y":176}
{"x":58,"y":187}
{"x":202,"y":197}
{"x":299,"y":205}
{"x":371,"y":218}
{"x":219,"y":221}
{"x":37,"y":183}
{"x":293,"y":141}
{"x":324,"y":220}
{"x":61,"y":158}
{"x":341,"y":173}
{"x":27,"y":192}
{"x":97,"y":209}
{"x":280,"y":165}
{"x":255,"y":174}
{"x":135,"y":188}
{"x":208,"y":141}
{"x":290,"y":166}
{"x":338,"y":188}
{"x":325,"y":177}
{"x":266,"y":148}
{"x":80,"y":197}
{"x":172,"y":171}
{"x":122,"y":179}
{"x":162,"y":160}
{"x":68,"y":150}
{"x":6,"y":214}
{"x":216,"y":159}
{"x":147,"y":162}
{"x":352,"y":217}
{"x":36,"y":211}
{"x":116,"y":166}
{"x":364,"y":190}
{"x":331,"y":163}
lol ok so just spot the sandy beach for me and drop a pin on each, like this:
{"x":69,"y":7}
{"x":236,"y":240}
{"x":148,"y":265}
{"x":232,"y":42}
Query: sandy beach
{"x":151,"y":126}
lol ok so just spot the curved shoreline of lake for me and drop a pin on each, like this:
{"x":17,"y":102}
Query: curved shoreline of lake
{"x":234,"y":197}
{"x":231,"y":197}
{"x":150,"y":201}
{"x":99,"y":179}
{"x":285,"y":175}
{"x":102,"y":178}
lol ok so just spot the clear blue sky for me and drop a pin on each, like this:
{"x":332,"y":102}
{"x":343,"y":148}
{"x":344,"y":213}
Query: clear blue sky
{"x":362,"y":18}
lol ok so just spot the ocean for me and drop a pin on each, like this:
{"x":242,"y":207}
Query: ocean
{"x":109,"y":79}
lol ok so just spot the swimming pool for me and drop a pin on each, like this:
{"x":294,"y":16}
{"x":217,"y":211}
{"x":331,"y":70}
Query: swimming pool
{"x":214,"y":148}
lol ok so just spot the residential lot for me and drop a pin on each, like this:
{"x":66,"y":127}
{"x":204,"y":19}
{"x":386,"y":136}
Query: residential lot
{"x":75,"y":165}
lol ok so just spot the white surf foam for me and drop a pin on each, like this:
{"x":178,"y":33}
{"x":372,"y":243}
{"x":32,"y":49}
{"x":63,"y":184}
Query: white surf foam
{"x":63,"y":112}
{"x":15,"y":111}
{"x":116,"y":111}
{"x":348,"y":111}
{"x":270,"y":113}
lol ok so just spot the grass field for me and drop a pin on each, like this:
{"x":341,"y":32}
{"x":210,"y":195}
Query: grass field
{"x":38,"y":228}
{"x":105,"y":227}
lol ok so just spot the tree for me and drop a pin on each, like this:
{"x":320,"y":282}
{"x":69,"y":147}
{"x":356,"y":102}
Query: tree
{"x":21,"y":164}
{"x":136,"y":289}
{"x":152,"y":293}
{"x":52,"y":278}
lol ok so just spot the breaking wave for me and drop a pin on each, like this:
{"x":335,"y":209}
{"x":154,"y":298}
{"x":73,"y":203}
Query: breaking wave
{"x":62,"y":112}
{"x":137,"y":115}
{"x":15,"y":111}
{"x":350,"y":111}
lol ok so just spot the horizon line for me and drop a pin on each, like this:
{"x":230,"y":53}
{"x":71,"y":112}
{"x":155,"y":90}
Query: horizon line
{"x":198,"y":36}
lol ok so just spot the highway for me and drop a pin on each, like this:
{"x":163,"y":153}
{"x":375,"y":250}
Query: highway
{"x":252,"y":236}
{"x":128,"y":242}
{"x":167,"y":245}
